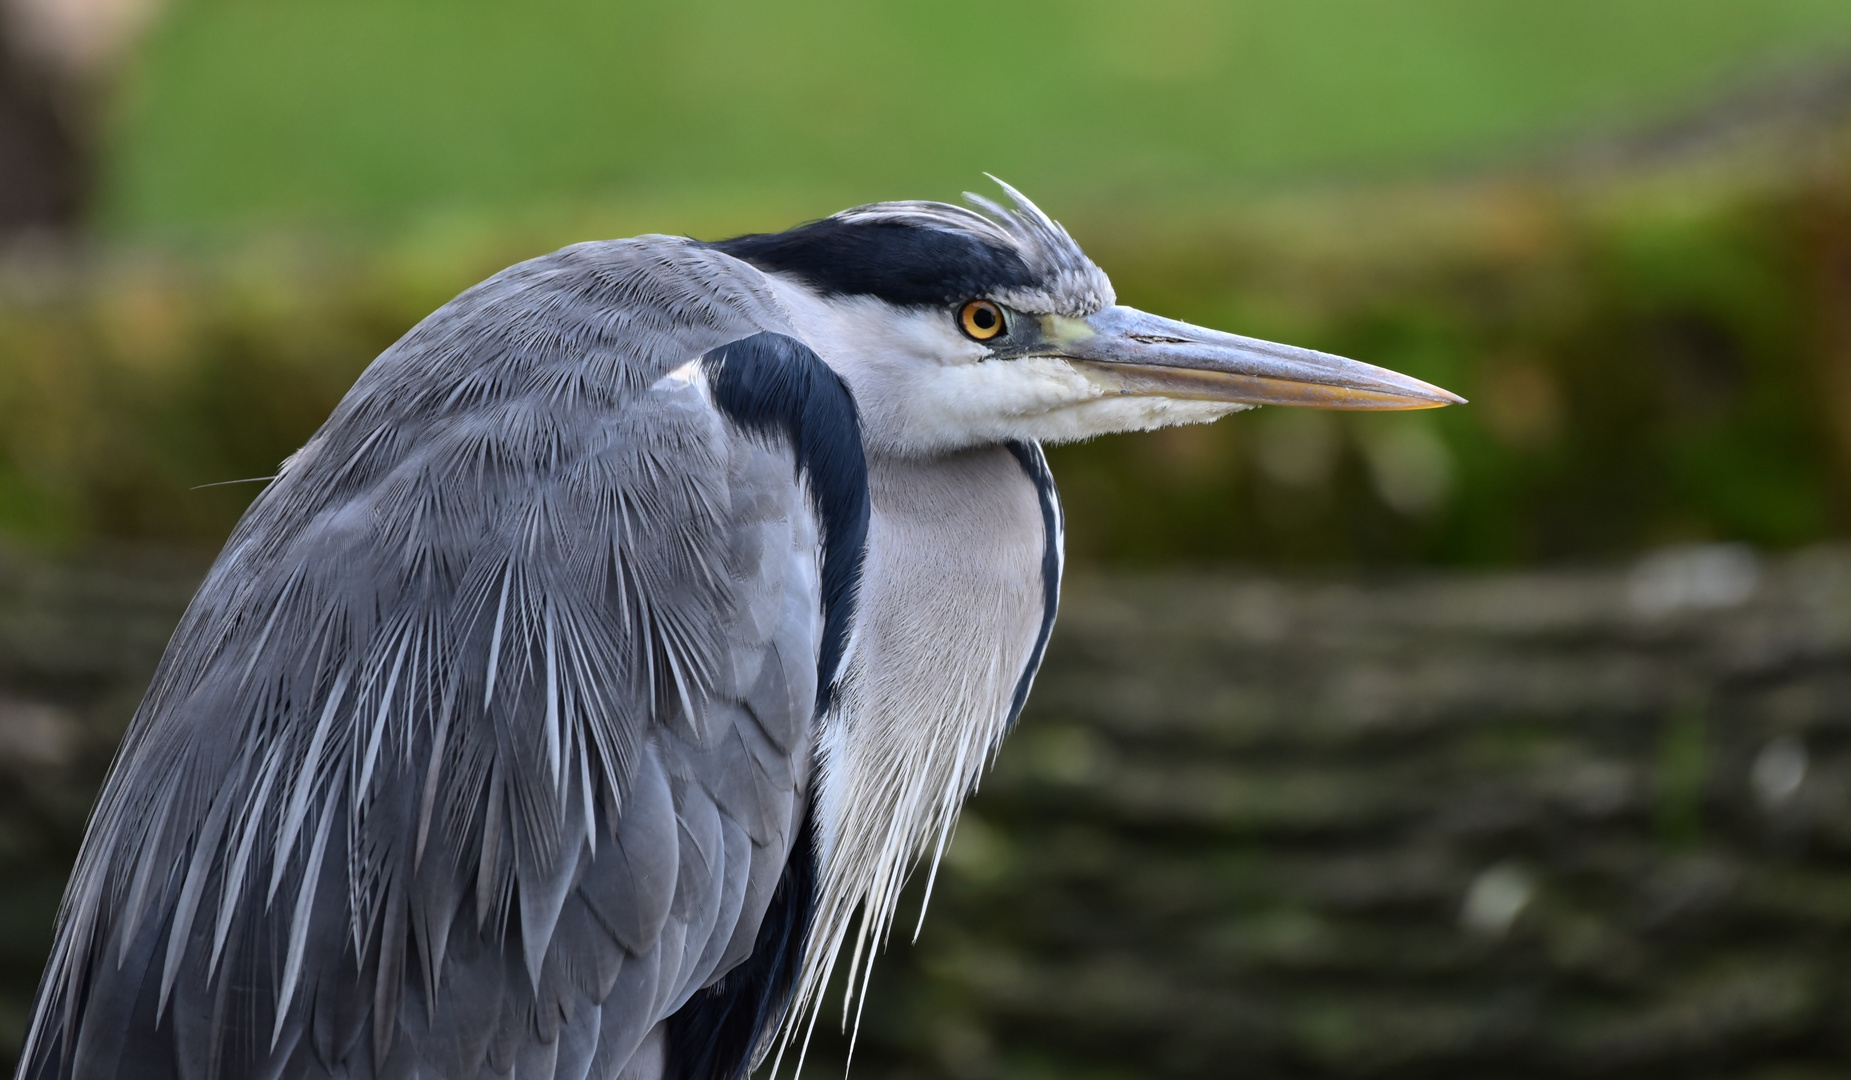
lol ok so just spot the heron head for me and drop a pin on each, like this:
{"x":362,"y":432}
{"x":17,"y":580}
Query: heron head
{"x":957,"y":327}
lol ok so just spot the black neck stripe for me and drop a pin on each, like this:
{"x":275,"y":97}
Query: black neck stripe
{"x":773,"y":384}
{"x":1053,"y":528}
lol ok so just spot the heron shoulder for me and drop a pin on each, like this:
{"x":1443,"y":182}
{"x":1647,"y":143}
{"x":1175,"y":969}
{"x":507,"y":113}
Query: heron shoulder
{"x":481,"y":683}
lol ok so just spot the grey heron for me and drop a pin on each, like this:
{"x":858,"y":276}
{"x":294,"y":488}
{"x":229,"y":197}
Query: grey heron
{"x":593,"y":678}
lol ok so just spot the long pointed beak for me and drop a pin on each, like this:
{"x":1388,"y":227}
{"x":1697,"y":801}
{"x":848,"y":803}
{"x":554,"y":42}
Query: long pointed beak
{"x":1136,"y":353}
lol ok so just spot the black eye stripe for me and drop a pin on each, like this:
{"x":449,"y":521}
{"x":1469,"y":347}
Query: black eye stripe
{"x":902,"y":264}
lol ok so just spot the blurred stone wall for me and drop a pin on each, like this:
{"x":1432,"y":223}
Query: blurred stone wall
{"x":1576,"y":823}
{"x":1566,"y":823}
{"x":78,"y":643}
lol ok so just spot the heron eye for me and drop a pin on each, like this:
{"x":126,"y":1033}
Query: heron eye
{"x":981,"y":320}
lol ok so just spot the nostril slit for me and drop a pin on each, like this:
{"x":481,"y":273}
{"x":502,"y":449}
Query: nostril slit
{"x":1157,"y":339}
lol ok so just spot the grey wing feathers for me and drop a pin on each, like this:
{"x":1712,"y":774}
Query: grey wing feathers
{"x":483,"y":745}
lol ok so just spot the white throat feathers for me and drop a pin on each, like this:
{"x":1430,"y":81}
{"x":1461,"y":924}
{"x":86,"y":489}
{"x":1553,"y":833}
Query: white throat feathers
{"x":941,"y":643}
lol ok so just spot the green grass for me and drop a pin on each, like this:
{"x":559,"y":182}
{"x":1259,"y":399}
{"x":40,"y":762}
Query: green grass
{"x":374,"y":112}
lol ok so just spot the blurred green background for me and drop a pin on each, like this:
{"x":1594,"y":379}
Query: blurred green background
{"x":389,"y":111}
{"x":1253,"y":800}
{"x":1619,"y":227}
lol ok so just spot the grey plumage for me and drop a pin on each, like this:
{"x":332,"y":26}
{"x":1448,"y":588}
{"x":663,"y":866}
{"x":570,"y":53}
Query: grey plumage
{"x":621,"y":640}
{"x":518,"y":651}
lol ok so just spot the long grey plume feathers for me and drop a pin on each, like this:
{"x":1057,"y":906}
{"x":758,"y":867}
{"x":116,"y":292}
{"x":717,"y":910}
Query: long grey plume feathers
{"x":434,"y":663}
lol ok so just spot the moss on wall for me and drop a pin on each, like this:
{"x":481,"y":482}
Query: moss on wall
{"x":1660,"y":360}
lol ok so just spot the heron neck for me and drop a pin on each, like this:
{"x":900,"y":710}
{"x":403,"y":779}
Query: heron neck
{"x":951,"y":605}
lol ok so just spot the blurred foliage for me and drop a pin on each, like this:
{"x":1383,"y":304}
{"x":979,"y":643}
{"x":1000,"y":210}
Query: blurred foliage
{"x":334,"y":111}
{"x":1653,"y":360}
{"x":1652,"y":364}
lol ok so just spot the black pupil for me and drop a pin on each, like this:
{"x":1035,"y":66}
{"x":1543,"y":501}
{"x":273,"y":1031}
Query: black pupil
{"x":983,"y":318}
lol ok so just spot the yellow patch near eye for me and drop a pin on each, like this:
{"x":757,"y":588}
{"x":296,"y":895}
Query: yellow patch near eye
{"x":980,"y":320}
